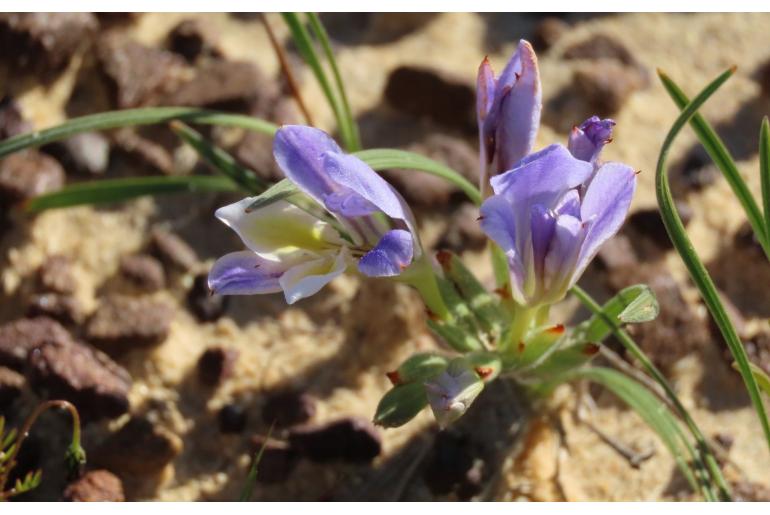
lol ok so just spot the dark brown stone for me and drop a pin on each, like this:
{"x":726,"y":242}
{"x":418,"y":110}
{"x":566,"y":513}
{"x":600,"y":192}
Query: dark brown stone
{"x":433,"y":95}
{"x":18,"y":338}
{"x":139,"y":447}
{"x":55,"y":275}
{"x":547,"y":32}
{"x":11,"y":386}
{"x":143,"y":271}
{"x":762,"y":76}
{"x":277,"y":462}
{"x":95,"y":486}
{"x":217,"y":81}
{"x":173,"y":250}
{"x":43,"y":42}
{"x":144,"y":152}
{"x":216,"y":364}
{"x":600,"y":46}
{"x":724,"y":440}
{"x":192,"y":39}
{"x":61,"y":307}
{"x":694,"y":173}
{"x":206,"y":305}
{"x":12,"y":122}
{"x":232,"y":418}
{"x":288,"y":408}
{"x":605,"y":85}
{"x":121,"y":323}
{"x":95,"y":384}
{"x":27,"y":174}
{"x":450,"y":465}
{"x":351,"y":440}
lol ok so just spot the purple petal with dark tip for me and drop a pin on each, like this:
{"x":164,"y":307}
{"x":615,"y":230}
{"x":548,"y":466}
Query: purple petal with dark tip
{"x":587,"y":141}
{"x":244,"y":273}
{"x":392,"y":254}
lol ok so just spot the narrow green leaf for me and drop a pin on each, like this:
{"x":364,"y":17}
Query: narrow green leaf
{"x":131,"y":117}
{"x":420,"y":367}
{"x":500,"y":267}
{"x":721,"y":156}
{"x":116,"y":190}
{"x":457,"y":338}
{"x":251,"y":479}
{"x":400,"y":405}
{"x":763,"y":380}
{"x":684,"y":247}
{"x":764,"y":170}
{"x":218,"y":159}
{"x":631,"y":305}
{"x":281,"y":190}
{"x":562,"y":360}
{"x":538,"y":345}
{"x":386,"y":158}
{"x":350,"y":124}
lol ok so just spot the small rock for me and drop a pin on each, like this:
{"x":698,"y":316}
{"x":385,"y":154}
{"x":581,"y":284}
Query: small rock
{"x":43,"y":43}
{"x":95,"y":486}
{"x":547,"y":32}
{"x":87,"y":153}
{"x":255,"y":151}
{"x":65,"y":309}
{"x":94,"y":383}
{"x":18,"y":338}
{"x":724,"y":440}
{"x":464,"y":231}
{"x":218,"y":81}
{"x":191,"y":39}
{"x":216,"y":364}
{"x":746,"y":239}
{"x":762,"y":76}
{"x":55,"y":275}
{"x":433,"y":95}
{"x":748,"y":491}
{"x":600,"y":46}
{"x":450,"y":463}
{"x":143,"y":271}
{"x":648,"y":224}
{"x":121,"y":323}
{"x":232,"y":418}
{"x":11,"y":386}
{"x":139,"y":75}
{"x":27,"y":174}
{"x":694,"y":173}
{"x":616,"y":253}
{"x":139,"y":447}
{"x":12,"y":122}
{"x":606,"y":85}
{"x":351,"y":440}
{"x":277,"y":462}
{"x":144,"y":152}
{"x":206,"y":306}
{"x":288,"y":408}
{"x":173,"y":250}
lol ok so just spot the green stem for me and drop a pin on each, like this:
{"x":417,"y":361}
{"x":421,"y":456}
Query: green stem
{"x":422,"y":277}
{"x":764,"y":170}
{"x":523,"y":317}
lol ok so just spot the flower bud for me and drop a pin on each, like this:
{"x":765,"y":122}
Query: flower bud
{"x":451,"y":393}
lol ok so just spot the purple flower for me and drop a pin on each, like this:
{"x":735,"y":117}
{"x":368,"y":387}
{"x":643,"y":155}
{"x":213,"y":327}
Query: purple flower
{"x":587,"y":141}
{"x":452,"y":392}
{"x":508,"y":110}
{"x":550,"y":214}
{"x":292,"y":250}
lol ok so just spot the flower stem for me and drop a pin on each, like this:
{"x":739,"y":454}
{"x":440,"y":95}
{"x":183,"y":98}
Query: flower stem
{"x":422,"y":277}
{"x":523,"y":317}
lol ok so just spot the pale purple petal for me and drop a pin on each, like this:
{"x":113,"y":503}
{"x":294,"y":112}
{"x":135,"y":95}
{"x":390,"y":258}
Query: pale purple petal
{"x":587,"y":141}
{"x":605,"y":205}
{"x":349,"y":203}
{"x":498,"y":222}
{"x":543,"y":224}
{"x":306,"y":279}
{"x":562,"y":256}
{"x":299,"y":152}
{"x":244,"y":273}
{"x":569,"y":204}
{"x":485,"y":90}
{"x":390,"y":257}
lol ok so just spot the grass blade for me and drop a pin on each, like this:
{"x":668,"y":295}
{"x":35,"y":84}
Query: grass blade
{"x":764,"y":170}
{"x":684,"y":247}
{"x":131,"y":117}
{"x":386,"y":158}
{"x":220,"y":160}
{"x":251,"y":479}
{"x":704,"y":450}
{"x":721,"y":156}
{"x":350,"y":124}
{"x":116,"y":190}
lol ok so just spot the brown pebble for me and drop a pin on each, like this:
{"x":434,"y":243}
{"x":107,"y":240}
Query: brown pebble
{"x":11,"y":386}
{"x":255,"y":151}
{"x":600,"y":46}
{"x":173,"y":250}
{"x":232,"y":418}
{"x":605,"y":85}
{"x":192,"y":39}
{"x":19,"y":337}
{"x":12,"y":122}
{"x":724,"y":440}
{"x":143,"y":152}
{"x":547,"y":32}
{"x":748,"y":491}
{"x":277,"y":462}
{"x":143,"y":271}
{"x":350,"y":440}
{"x":62,"y":308}
{"x":762,"y":76}
{"x":288,"y":408}
{"x":121,"y":323}
{"x":694,"y":173}
{"x":433,"y":95}
{"x":95,"y":384}
{"x":139,"y":447}
{"x":27,"y":174}
{"x":205,"y":305}
{"x":55,"y":275}
{"x":216,"y":364}
{"x":647,"y":224}
{"x":217,"y":81}
{"x":95,"y":486}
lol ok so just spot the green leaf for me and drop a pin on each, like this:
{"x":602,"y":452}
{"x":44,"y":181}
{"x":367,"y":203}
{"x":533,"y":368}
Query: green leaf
{"x":721,"y":156}
{"x":131,"y":117}
{"x":251,"y":479}
{"x":387,"y":159}
{"x":684,"y":247}
{"x":764,"y":170}
{"x":400,"y":405}
{"x":562,"y":360}
{"x":281,"y":190}
{"x":457,"y":338}
{"x":420,"y":367}
{"x":218,"y":159}
{"x":763,"y":380}
{"x":631,"y":305}
{"x":538,"y":345}
{"x":116,"y":190}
